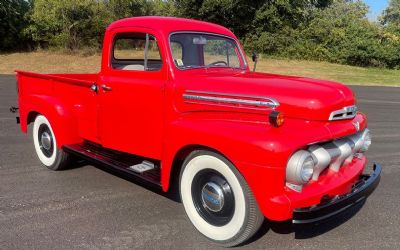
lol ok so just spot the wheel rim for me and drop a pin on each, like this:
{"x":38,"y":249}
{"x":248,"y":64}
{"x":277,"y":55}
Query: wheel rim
{"x":45,"y":139}
{"x":213,"y":197}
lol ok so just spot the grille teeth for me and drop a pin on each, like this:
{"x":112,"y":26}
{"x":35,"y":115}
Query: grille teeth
{"x":345,"y":152}
{"x":336,"y":153}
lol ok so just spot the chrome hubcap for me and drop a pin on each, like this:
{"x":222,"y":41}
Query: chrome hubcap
{"x":212,"y":197}
{"x":46,"y":140}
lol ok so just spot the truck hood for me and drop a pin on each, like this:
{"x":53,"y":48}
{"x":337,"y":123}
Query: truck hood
{"x":298,"y":97}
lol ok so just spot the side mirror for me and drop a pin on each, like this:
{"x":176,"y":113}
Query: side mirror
{"x":254,"y":57}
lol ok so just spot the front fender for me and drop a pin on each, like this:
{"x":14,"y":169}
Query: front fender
{"x":258,"y":150}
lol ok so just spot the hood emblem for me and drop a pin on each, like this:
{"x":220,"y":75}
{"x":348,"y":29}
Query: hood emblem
{"x":344,"y":113}
{"x":357,"y":126}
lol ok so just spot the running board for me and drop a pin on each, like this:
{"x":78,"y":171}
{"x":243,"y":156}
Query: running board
{"x":143,"y":168}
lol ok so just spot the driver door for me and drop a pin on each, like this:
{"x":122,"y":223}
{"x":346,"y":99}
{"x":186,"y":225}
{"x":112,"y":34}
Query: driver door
{"x":132,"y":94}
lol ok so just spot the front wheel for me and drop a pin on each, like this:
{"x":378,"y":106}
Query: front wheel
{"x":217,"y":199}
{"x":46,"y":145}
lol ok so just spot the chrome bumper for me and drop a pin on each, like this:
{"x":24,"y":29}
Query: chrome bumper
{"x":327,"y":209}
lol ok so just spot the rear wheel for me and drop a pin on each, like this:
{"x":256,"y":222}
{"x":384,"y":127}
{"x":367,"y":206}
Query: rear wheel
{"x":46,"y":145}
{"x":217,"y":199}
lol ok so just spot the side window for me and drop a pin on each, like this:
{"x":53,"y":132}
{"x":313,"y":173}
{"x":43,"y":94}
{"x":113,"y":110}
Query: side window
{"x":153,"y":52}
{"x":136,"y":51}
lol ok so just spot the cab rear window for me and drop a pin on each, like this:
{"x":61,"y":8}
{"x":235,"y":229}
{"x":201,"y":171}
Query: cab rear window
{"x":136,"y":51}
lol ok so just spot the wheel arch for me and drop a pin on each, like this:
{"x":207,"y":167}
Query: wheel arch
{"x":260,"y":161}
{"x":180,"y":157}
{"x":31,"y":117}
{"x":59,"y":115}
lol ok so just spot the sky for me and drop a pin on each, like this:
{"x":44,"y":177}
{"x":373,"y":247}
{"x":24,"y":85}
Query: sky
{"x":376,"y":7}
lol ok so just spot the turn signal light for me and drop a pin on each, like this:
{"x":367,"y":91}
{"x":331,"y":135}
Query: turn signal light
{"x":276,"y":118}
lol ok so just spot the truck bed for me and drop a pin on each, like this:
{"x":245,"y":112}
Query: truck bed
{"x":65,"y":99}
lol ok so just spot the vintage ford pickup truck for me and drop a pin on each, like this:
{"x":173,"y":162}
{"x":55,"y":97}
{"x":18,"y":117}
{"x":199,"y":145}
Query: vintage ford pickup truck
{"x":176,"y":102}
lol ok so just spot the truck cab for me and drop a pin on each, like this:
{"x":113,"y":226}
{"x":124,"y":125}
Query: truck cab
{"x":176,"y":103}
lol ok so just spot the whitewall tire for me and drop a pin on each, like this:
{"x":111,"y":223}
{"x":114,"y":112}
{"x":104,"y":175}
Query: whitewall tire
{"x":217,"y":199}
{"x":45,"y":144}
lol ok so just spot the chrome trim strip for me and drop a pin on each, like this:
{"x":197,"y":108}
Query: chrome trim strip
{"x":230,"y":99}
{"x":343,"y":113}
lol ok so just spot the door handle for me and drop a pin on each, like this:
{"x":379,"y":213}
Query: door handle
{"x":94,"y":88}
{"x":106,"y":88}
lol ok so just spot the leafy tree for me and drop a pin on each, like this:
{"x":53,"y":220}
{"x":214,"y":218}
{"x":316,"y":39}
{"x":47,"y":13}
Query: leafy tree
{"x":338,"y":33}
{"x":69,"y":24}
{"x":390,"y":20}
{"x":164,"y":8}
{"x":277,"y":23}
{"x":235,"y":14}
{"x":332,"y":30}
{"x":77,"y":24}
{"x":250,"y":17}
{"x":12,"y":22}
{"x":127,"y":8}
{"x":391,"y":16}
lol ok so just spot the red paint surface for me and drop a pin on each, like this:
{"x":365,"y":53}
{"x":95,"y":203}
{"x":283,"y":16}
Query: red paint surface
{"x":145,"y":114}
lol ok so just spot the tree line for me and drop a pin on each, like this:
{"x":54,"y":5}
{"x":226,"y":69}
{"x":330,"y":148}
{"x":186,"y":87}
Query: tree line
{"x":328,"y":30}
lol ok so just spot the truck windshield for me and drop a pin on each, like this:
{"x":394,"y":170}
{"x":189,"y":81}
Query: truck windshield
{"x":202,"y":50}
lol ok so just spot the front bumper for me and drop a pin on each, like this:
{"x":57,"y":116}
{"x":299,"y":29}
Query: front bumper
{"x":326,"y":209}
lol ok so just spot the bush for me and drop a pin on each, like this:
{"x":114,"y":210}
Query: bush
{"x":340,"y":33}
{"x":331,"y":30}
{"x":12,"y":21}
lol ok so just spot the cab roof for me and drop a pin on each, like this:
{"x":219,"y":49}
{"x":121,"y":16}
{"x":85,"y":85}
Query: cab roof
{"x":168,"y":25}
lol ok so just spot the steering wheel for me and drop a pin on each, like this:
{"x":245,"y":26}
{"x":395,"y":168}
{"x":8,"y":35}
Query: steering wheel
{"x":218,"y":63}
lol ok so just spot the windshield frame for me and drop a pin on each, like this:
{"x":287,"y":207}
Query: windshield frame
{"x":241,"y":57}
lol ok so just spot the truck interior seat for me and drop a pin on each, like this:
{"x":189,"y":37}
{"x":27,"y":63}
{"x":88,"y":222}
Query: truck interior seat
{"x":132,"y":67}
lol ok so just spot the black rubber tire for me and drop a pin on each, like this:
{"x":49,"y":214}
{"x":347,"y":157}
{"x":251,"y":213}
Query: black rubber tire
{"x":252,"y":218}
{"x":54,"y":158}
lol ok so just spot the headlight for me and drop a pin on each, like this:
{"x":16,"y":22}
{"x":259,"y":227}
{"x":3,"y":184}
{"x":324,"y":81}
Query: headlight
{"x":366,"y":142}
{"x":300,"y":168}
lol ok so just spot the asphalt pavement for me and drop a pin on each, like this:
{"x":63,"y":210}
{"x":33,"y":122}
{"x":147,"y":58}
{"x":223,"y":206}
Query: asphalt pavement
{"x":87,"y":207}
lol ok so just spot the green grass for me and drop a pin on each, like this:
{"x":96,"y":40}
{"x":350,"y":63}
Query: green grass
{"x":58,"y":62}
{"x":342,"y":73}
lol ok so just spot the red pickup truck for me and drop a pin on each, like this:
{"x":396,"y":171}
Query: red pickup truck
{"x":176,"y":102}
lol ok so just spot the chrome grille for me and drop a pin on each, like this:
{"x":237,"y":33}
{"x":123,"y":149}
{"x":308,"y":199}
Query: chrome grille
{"x":338,"y":152}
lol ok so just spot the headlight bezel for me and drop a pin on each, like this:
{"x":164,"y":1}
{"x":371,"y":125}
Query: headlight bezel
{"x":300,"y":168}
{"x":366,"y":142}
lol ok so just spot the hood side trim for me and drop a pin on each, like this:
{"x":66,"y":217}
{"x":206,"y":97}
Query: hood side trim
{"x":233,"y":99}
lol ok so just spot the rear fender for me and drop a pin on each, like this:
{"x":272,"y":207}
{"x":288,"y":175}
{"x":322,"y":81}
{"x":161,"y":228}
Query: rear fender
{"x":61,"y":117}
